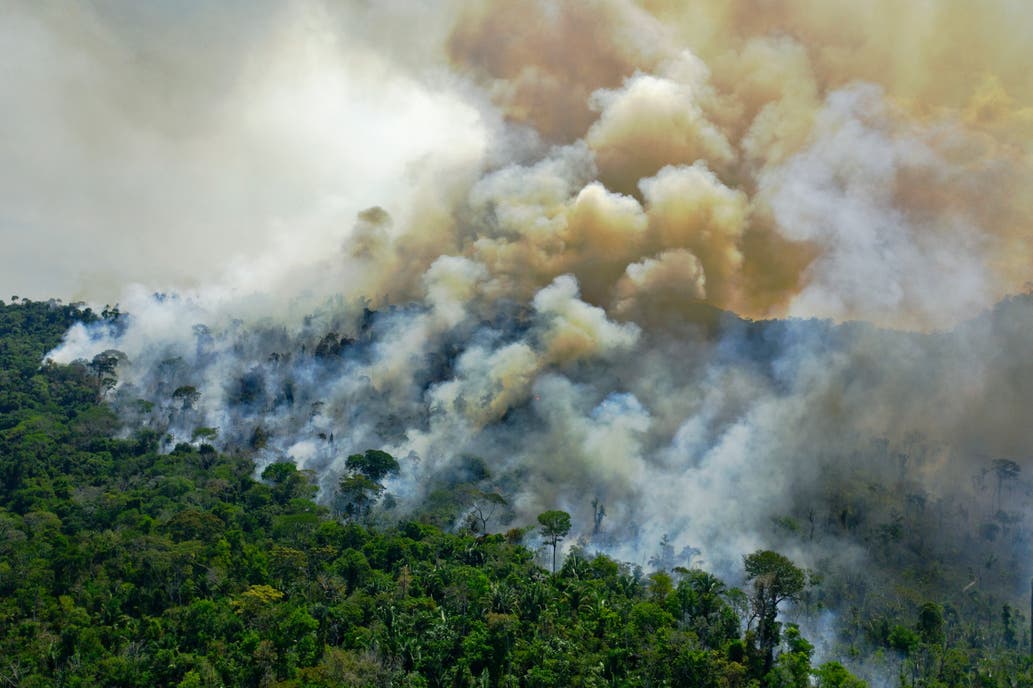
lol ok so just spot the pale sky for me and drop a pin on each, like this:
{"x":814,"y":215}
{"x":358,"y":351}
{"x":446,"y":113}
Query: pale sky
{"x":162,"y":142}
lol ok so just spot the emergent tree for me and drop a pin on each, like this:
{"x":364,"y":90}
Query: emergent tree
{"x":775,"y":580}
{"x":555,"y":526}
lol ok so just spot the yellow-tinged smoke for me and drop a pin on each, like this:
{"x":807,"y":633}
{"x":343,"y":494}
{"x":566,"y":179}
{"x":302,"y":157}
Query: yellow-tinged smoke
{"x":844,"y":160}
{"x":851,"y":160}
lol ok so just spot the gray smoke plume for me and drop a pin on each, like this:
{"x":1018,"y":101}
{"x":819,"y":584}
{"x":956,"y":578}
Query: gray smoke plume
{"x":558,"y":237}
{"x":702,"y":434}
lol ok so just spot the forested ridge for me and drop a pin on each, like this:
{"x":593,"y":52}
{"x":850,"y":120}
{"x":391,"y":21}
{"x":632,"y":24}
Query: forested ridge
{"x":121,"y":565}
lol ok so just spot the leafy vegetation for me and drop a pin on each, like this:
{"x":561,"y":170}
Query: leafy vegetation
{"x":121,"y":565}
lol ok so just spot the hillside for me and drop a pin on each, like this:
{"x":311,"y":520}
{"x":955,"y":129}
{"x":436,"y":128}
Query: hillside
{"x":124,"y":566}
{"x":127,"y":565}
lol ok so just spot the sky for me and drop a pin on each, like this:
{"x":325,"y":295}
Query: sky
{"x":791,"y":157}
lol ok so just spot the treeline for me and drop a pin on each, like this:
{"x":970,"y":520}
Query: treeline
{"x":124,"y":566}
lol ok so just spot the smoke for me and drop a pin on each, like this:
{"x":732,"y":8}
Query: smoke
{"x":538,"y":141}
{"x":552,"y":236}
{"x":699,"y":435}
{"x":188,"y":147}
{"x":841,"y":194}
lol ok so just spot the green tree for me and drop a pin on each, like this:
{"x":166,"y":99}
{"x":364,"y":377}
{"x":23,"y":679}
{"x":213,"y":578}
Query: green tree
{"x":775,"y":580}
{"x":930,"y":623}
{"x":699,"y":602}
{"x":555,"y":526}
{"x":903,"y":640}
{"x":186,"y":396}
{"x":288,"y":482}
{"x":373,"y":463}
{"x":793,"y":668}
{"x":356,"y":495}
{"x":835,"y":675}
{"x":104,"y":366}
{"x":358,"y":490}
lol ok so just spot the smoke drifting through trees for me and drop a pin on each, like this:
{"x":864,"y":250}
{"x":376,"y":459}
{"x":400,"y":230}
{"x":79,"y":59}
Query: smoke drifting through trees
{"x":545,"y":293}
{"x":670,"y":429}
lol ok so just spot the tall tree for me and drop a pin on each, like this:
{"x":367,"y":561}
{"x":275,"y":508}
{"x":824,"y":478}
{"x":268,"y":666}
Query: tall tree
{"x":359,"y":489}
{"x":555,"y":526}
{"x":484,"y":505}
{"x":288,"y":482}
{"x":598,"y":514}
{"x":775,"y":580}
{"x":104,"y":366}
{"x":373,"y":463}
{"x":1005,"y":470}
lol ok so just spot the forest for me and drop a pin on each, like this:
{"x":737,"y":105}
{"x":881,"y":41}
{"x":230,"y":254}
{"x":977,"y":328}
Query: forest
{"x":123,"y":565}
{"x":488,"y":343}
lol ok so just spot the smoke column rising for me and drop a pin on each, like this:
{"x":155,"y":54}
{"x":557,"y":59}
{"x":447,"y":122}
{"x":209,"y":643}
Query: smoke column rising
{"x":554,"y":210}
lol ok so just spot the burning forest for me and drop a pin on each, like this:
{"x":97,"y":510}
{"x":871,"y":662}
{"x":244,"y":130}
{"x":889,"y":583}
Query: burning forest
{"x":710,"y":278}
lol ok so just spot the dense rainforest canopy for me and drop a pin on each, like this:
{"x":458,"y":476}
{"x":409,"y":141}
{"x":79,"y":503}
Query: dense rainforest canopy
{"x":124,"y":566}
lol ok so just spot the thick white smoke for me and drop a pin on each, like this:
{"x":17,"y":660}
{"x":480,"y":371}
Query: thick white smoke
{"x":537,"y":234}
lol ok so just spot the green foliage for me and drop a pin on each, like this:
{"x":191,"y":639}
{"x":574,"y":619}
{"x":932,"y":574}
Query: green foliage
{"x":775,"y":580}
{"x":903,"y":640}
{"x":793,"y":667}
{"x":835,"y":675}
{"x":373,"y":463}
{"x":123,"y":566}
{"x":774,"y":576}
{"x":359,"y":490}
{"x":555,"y":526}
{"x":930,"y":623}
{"x":205,"y":434}
{"x":288,"y":482}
